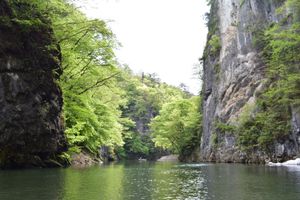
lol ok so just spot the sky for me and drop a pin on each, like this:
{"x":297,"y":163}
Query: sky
{"x":166,"y":37}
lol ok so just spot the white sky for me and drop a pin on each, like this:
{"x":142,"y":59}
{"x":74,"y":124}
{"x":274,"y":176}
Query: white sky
{"x":158,"y":36}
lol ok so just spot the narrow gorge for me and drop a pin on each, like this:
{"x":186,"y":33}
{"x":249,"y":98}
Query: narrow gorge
{"x":78,"y":122}
{"x":65,"y":95}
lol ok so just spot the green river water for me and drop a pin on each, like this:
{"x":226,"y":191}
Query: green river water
{"x":144,"y":180}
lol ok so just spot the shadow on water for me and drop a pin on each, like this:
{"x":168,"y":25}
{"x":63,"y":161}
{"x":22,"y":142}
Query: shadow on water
{"x":153,"y":181}
{"x":31,"y":184}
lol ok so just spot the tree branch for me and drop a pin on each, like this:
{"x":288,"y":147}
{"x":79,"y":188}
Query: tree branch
{"x":99,"y":83}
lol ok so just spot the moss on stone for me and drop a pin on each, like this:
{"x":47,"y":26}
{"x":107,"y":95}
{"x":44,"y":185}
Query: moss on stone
{"x":215,"y":45}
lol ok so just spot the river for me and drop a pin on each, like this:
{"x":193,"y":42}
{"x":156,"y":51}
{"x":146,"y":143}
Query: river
{"x":153,"y":181}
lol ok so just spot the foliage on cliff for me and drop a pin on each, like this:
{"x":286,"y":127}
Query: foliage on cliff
{"x":213,"y":44}
{"x":281,"y":52}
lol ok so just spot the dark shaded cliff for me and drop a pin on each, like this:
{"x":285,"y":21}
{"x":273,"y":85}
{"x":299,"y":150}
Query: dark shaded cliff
{"x":238,"y":62}
{"x":31,"y":127}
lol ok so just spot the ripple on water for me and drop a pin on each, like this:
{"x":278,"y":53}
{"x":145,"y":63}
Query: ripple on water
{"x":193,"y":165}
{"x":189,"y":183}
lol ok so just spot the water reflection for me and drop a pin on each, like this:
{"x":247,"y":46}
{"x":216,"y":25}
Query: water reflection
{"x":31,"y":184}
{"x":94,"y":183}
{"x":153,"y":181}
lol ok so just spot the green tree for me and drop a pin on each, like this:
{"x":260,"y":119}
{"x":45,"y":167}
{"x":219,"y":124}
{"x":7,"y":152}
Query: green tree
{"x":145,"y":96}
{"x":178,"y":125}
{"x":91,"y":93}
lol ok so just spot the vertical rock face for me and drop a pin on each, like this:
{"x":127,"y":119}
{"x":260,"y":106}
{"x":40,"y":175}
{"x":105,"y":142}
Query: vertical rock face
{"x":235,"y":75}
{"x":31,"y":128}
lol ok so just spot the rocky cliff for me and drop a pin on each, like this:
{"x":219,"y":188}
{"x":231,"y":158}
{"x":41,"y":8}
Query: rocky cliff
{"x":236,"y":75}
{"x":31,"y":128}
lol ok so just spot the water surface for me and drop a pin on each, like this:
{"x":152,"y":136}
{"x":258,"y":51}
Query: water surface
{"x":153,"y":181}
